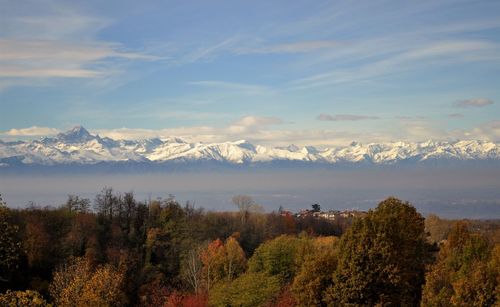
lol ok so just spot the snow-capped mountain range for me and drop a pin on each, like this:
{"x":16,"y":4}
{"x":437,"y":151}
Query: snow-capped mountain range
{"x":78,"y":146}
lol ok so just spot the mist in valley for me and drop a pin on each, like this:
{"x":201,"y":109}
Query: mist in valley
{"x":448,"y":192}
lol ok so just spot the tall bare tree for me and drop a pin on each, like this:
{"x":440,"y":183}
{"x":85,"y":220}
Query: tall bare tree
{"x":244,"y":204}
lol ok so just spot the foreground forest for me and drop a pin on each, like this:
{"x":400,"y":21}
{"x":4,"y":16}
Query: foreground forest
{"x":117,"y":251}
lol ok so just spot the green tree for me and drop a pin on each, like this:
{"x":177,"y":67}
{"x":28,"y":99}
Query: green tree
{"x":316,"y":273}
{"x":382,"y":258}
{"x":280,"y":257}
{"x":250,"y":289}
{"x":167,"y":239}
{"x":9,"y":243}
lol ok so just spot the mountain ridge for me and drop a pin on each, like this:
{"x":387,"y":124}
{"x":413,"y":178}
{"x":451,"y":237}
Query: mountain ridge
{"x":78,"y":146}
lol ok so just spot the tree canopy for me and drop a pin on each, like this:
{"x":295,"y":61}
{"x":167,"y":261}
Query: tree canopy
{"x":382,"y":258}
{"x":123,"y":252}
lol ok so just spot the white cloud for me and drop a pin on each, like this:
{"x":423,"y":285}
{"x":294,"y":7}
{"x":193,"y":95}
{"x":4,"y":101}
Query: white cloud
{"x":263,"y":135}
{"x":136,"y":133}
{"x":31,"y":131}
{"x":250,"y":124}
{"x":476,"y":102}
{"x":345,"y":117}
{"x":266,"y":131}
{"x":417,"y":129}
{"x":253,"y":121}
{"x":246,"y":127}
{"x":488,"y":131}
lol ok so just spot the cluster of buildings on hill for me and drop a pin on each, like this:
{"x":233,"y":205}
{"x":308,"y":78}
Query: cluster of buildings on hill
{"x":331,"y":215}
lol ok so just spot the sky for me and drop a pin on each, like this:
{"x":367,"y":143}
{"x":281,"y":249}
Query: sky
{"x":273,"y":72}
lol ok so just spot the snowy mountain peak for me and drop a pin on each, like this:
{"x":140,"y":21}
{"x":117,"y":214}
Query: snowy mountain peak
{"x":76,"y":135}
{"x":244,"y":144}
{"x":173,"y":139}
{"x":78,"y":146}
{"x":293,"y":148}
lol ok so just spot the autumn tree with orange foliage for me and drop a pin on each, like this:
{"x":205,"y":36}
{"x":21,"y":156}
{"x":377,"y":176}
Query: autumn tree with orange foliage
{"x":78,"y":283}
{"x":222,"y":261}
{"x":22,"y":298}
{"x":213,"y":263}
{"x":467,"y":272}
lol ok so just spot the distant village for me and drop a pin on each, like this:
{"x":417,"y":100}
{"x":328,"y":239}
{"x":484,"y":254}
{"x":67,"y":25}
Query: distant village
{"x":332,"y":215}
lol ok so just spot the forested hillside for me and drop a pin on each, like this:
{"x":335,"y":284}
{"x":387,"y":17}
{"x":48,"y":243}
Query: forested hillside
{"x":117,"y":251}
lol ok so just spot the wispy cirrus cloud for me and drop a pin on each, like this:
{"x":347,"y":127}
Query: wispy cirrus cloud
{"x":232,"y":86}
{"x":291,"y":47}
{"x":58,"y":42}
{"x":473,"y":103}
{"x":344,"y":117}
{"x":380,"y":57}
{"x":49,"y":59}
{"x":205,"y":53}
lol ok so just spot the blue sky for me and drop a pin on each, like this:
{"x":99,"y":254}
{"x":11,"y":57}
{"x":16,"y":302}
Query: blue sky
{"x":273,"y":72}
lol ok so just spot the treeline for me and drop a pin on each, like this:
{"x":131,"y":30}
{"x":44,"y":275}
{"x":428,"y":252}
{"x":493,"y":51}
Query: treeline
{"x":116,"y":251}
{"x":149,"y":243}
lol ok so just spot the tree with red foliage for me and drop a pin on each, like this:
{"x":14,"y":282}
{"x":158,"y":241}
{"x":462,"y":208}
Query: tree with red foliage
{"x":286,"y":299}
{"x":178,"y":299}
